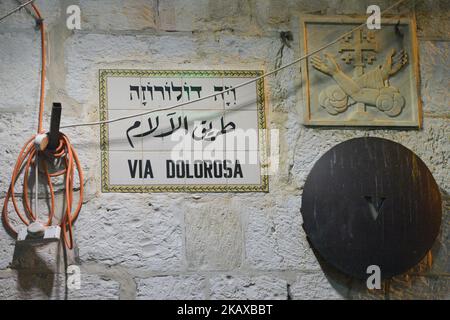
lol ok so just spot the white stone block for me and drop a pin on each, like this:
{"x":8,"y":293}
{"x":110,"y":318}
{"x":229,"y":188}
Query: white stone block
{"x":252,"y":288}
{"x":171,"y":288}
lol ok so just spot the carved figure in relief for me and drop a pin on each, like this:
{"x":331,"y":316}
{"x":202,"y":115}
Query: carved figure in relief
{"x":369,"y":88}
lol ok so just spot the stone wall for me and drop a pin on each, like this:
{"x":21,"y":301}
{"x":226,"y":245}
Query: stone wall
{"x":201,"y":246}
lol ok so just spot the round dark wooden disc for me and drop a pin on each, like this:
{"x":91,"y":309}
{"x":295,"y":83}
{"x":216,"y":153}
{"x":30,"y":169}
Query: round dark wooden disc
{"x":371,"y":201}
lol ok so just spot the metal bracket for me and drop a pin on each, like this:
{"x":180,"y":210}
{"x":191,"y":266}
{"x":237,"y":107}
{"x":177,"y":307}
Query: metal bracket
{"x":55,"y":120}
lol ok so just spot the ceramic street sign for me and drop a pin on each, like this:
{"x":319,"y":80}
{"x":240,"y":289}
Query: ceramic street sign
{"x":368,"y":78}
{"x":371,"y":201}
{"x":213,"y":145}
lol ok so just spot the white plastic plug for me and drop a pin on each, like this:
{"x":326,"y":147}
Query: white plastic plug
{"x":41,"y":141}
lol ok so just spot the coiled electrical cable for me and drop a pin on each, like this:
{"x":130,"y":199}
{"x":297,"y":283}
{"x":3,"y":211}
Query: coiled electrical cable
{"x":30,"y":157}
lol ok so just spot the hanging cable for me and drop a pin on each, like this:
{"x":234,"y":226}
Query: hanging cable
{"x":65,"y":158}
{"x":16,"y":9}
{"x":95,"y":123}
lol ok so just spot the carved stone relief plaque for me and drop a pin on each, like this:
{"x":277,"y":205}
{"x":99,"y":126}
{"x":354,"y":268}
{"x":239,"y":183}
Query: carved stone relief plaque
{"x":367,"y":78}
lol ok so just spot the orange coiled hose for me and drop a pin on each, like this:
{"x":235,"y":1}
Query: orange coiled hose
{"x":66,"y":157}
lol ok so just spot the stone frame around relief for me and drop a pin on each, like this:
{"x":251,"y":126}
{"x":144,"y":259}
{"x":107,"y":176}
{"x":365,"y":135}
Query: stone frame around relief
{"x":384,"y":95}
{"x":108,"y":187}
